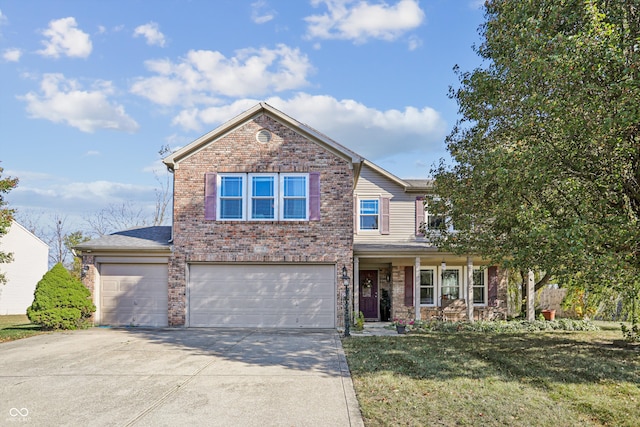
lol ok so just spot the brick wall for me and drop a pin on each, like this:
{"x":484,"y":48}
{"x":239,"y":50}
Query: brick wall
{"x":329,"y":240}
{"x":90,"y":278}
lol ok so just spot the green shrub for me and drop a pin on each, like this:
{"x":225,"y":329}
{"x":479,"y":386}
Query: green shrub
{"x":61,"y":301}
{"x":631,"y":334}
{"x":359,"y":324}
{"x":502,"y":326}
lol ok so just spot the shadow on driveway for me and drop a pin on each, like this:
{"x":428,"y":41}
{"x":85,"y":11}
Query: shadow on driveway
{"x":148,"y":377}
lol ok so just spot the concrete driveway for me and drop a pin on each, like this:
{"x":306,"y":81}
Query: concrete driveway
{"x":214,"y":377}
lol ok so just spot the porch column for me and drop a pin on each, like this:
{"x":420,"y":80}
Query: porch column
{"x":356,"y":286}
{"x":416,"y":287}
{"x":531,"y":311}
{"x":469,"y":289}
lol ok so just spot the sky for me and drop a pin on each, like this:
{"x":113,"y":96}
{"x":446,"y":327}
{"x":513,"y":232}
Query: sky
{"x":90,"y":91}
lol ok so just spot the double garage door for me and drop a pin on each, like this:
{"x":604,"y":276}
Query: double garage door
{"x":271,"y":296}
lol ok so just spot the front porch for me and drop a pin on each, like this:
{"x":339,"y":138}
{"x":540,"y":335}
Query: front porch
{"x":427,"y":286}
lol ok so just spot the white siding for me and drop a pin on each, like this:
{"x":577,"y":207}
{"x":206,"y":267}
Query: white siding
{"x":30,"y":263}
{"x":401,"y":208}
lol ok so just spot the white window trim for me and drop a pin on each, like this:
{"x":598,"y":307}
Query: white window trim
{"x":219,"y":196}
{"x":281,"y":197}
{"x":485,"y":274}
{"x":276,"y":200}
{"x":460,"y":282}
{"x":438,"y":283}
{"x":247,"y":196}
{"x":447,"y":221}
{"x":368,"y":230}
{"x":435,"y":285}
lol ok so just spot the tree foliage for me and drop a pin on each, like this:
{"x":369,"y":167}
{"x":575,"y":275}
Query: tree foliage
{"x":61,"y":301}
{"x":547,"y":153}
{"x":6,"y":216}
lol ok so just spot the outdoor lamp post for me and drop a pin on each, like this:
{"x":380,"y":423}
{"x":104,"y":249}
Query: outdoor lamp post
{"x":345,"y":282}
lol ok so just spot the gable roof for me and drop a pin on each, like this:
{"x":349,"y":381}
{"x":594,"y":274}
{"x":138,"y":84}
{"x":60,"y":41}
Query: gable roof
{"x":156,"y":238}
{"x":172,"y":161}
{"x":16,"y":227}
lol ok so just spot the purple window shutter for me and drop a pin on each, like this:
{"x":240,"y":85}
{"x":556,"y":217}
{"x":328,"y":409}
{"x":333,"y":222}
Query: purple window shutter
{"x":408,"y":286}
{"x":314,"y":196}
{"x":355,"y":215}
{"x":210,"y":187}
{"x":384,"y":229}
{"x":419,"y":215}
{"x":493,"y":284}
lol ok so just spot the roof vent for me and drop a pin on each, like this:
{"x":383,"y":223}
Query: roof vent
{"x":263,"y":136}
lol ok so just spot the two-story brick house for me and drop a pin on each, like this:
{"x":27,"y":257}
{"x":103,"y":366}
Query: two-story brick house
{"x":266,"y":213}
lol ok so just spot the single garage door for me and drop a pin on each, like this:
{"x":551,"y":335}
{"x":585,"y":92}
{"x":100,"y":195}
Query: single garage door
{"x":134,"y":294}
{"x":270,"y":296}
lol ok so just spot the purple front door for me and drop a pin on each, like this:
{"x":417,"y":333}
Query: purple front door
{"x":369,"y":293}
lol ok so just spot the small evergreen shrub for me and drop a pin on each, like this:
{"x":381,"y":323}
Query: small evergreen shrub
{"x":61,"y":301}
{"x":359,"y":324}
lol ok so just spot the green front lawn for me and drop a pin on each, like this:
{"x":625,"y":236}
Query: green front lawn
{"x":14,"y":327}
{"x":496,"y":379}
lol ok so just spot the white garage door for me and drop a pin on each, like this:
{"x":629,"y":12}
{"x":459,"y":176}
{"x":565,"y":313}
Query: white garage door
{"x":270,"y":296}
{"x":133,"y":294}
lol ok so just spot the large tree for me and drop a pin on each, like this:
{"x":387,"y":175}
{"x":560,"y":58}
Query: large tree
{"x":6,"y":216}
{"x":546,"y":172}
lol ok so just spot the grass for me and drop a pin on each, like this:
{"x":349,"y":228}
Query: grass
{"x":15,"y":327}
{"x":484,"y":379}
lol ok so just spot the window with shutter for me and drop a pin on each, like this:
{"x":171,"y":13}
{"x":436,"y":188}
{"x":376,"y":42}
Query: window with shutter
{"x":262,"y":196}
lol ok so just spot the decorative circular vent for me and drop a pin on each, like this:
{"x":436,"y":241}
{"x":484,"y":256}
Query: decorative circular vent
{"x":263,"y":136}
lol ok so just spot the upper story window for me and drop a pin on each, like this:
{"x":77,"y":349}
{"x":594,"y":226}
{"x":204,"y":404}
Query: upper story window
{"x":294,"y":201}
{"x":434,"y":222}
{"x":427,"y":221}
{"x":369,"y":214}
{"x":262,"y":197}
{"x":231,"y":192}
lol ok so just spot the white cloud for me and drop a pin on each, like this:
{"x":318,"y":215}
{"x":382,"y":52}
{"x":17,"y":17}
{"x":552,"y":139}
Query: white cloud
{"x":261,"y":13}
{"x":46,"y":195}
{"x":372,"y":133}
{"x":63,"y":101}
{"x":359,"y":20}
{"x":152,"y":33}
{"x":92,"y":153}
{"x":12,"y":55}
{"x":3,"y":18}
{"x":204,"y":75}
{"x":78,"y":198}
{"x":64,"y":38}
{"x":414,"y":42}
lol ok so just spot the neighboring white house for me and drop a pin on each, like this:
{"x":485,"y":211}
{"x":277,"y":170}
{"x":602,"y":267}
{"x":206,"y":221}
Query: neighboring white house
{"x":30,"y":263}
